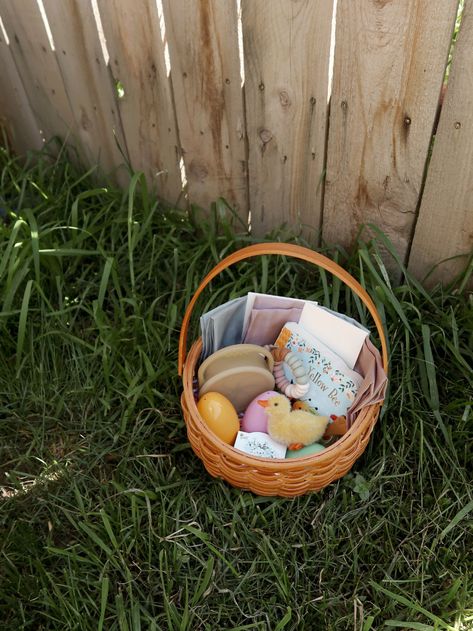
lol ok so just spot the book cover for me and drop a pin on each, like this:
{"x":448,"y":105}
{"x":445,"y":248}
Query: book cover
{"x":341,"y":336}
{"x":333,"y":386}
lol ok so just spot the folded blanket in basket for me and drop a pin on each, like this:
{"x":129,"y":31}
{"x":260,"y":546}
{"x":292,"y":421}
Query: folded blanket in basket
{"x":373,"y":389}
{"x":222,"y":326}
{"x":265,"y":314}
{"x":333,"y":386}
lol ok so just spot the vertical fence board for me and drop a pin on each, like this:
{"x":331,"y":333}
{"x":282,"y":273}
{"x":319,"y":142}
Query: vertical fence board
{"x":390,"y":59}
{"x":205,"y":71}
{"x":16,"y":116}
{"x":146,"y":109}
{"x":87,"y":81}
{"x":287,"y":46}
{"x":37,"y":67}
{"x":445,"y":225}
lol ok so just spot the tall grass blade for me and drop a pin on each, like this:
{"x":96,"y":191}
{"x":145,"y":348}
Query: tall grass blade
{"x":22,"y":322}
{"x":104,"y":281}
{"x":456,"y":520}
{"x":413,"y":606}
{"x":34,"y":241}
{"x":103,"y":601}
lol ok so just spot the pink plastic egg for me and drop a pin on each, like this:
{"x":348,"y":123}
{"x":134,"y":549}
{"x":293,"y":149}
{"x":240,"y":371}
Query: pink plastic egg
{"x":255,"y":419}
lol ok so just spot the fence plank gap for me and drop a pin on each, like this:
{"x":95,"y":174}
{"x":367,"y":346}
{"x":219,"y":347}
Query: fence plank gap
{"x":445,"y":224}
{"x":389,"y":65}
{"x":88,"y":84}
{"x":137,"y":63}
{"x":205,"y":72}
{"x":16,"y":116}
{"x":287,"y":47}
{"x":37,"y":66}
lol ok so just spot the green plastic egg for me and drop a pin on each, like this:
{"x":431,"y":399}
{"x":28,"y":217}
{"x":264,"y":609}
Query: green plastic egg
{"x":308,"y":450}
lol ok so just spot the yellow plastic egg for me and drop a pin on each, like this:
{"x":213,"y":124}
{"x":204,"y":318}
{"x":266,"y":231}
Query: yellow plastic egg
{"x":220,"y":416}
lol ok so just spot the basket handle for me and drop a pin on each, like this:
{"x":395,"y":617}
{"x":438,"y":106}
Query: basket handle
{"x":286,"y":249}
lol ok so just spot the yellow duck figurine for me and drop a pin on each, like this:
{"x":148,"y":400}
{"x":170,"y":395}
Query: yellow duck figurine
{"x":292,"y":428}
{"x":337,"y":424}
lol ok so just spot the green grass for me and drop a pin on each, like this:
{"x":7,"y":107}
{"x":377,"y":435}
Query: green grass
{"x":109,"y":521}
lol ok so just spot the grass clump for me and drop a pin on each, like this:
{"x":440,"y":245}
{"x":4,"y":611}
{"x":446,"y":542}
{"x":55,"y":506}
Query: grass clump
{"x":108,"y":520}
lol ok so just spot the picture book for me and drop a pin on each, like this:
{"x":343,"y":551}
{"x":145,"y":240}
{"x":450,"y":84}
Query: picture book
{"x":333,"y":385}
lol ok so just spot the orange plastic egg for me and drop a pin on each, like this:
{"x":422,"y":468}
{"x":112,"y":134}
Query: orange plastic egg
{"x":220,"y":415}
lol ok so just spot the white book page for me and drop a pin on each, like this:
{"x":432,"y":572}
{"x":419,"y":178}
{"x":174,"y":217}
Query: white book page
{"x":259,"y":444}
{"x":342,"y":337}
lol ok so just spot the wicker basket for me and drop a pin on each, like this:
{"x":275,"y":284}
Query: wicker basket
{"x":263,"y":476}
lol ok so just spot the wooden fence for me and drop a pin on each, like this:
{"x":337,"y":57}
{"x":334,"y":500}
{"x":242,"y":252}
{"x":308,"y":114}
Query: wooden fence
{"x":309,"y":112}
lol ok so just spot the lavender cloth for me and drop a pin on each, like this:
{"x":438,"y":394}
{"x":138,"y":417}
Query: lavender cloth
{"x":267,"y":317}
{"x":373,"y":388}
{"x":266,"y":324}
